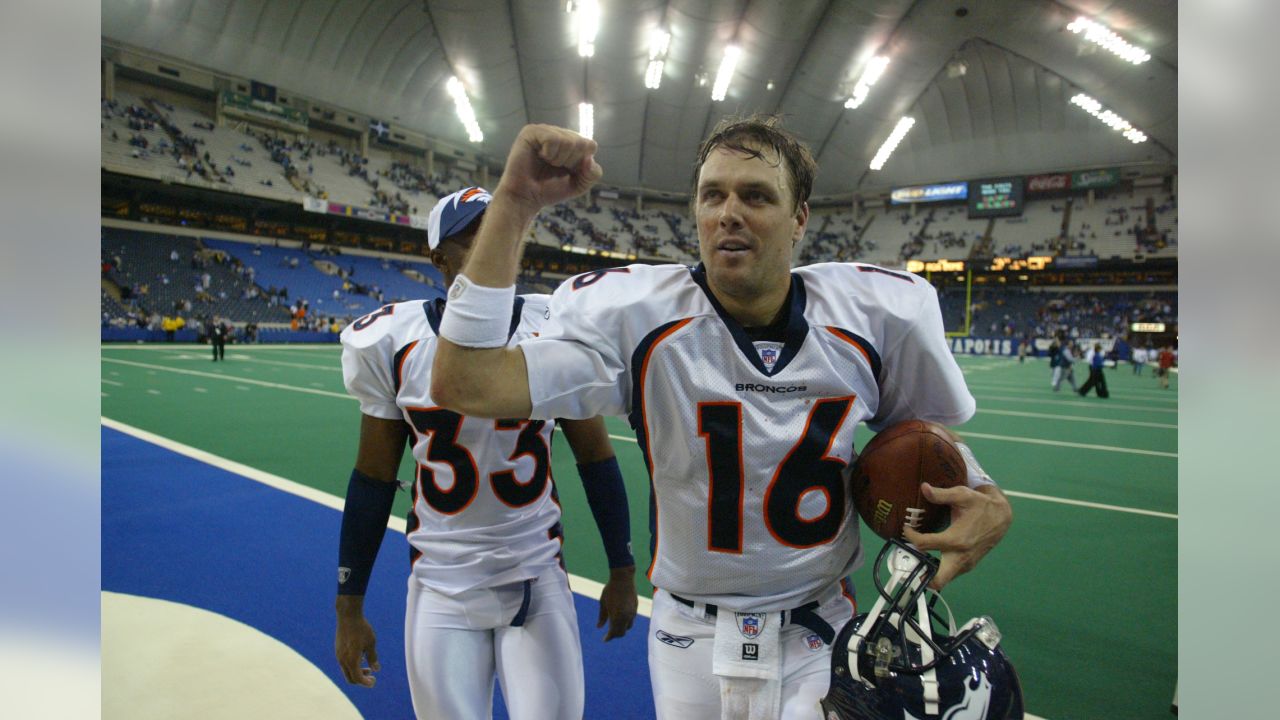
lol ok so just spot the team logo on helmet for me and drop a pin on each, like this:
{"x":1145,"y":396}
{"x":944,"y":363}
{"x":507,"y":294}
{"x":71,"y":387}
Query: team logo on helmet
{"x":972,"y":707}
{"x":750,"y":624}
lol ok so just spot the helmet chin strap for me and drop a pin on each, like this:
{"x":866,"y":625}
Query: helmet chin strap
{"x":929,"y":679}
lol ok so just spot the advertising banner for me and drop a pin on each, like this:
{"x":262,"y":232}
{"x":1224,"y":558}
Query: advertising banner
{"x":929,"y":193}
{"x":984,"y":346}
{"x":1095,"y":179}
{"x":1076,"y":261}
{"x":317,"y":205}
{"x":1048,"y":183}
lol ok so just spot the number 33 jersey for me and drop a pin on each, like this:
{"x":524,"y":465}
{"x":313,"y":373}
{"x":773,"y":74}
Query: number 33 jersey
{"x":749,"y":443}
{"x":483,"y":511}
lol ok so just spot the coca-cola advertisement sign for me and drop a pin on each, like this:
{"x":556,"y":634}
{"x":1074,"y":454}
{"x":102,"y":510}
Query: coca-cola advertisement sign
{"x":1048,"y":183}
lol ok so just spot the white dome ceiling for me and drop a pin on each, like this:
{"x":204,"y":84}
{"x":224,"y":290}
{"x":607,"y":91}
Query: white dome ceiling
{"x":1008,"y":113}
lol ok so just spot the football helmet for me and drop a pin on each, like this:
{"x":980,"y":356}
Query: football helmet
{"x":894,"y":663}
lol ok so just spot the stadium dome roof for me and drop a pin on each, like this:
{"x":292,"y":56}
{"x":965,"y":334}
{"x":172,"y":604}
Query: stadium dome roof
{"x":989,"y":82}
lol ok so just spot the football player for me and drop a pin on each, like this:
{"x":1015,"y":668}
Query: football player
{"x":487,"y":590}
{"x":744,"y":381}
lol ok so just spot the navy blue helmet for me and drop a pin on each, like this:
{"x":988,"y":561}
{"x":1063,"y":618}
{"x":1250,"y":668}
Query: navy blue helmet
{"x":895,"y":663}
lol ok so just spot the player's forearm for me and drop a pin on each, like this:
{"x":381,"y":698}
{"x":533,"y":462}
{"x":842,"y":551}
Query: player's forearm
{"x":481,"y":382}
{"x":607,"y":497}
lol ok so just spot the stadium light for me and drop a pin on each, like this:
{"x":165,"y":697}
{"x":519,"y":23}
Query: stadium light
{"x":1103,"y":36}
{"x":466,"y":114}
{"x":1112,"y":120}
{"x":653,"y":74}
{"x":659,"y":40}
{"x":725,"y":74}
{"x":586,"y":119}
{"x":586,"y":19}
{"x":874,"y":70}
{"x":891,"y":142}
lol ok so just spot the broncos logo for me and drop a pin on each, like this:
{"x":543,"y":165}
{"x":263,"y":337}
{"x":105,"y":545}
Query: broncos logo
{"x":473,"y":193}
{"x":972,"y":707}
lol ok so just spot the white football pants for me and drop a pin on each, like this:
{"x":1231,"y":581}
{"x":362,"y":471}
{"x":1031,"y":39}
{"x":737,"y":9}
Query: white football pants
{"x":680,"y":645}
{"x":455,"y":645}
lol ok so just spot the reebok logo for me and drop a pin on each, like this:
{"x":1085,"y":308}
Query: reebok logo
{"x":754,"y":387}
{"x":673,"y":640}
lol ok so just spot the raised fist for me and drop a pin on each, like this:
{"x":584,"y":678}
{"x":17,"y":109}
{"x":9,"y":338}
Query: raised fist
{"x":548,"y":165}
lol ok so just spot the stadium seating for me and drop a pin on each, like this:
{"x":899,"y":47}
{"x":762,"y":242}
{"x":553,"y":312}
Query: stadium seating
{"x":151,"y":138}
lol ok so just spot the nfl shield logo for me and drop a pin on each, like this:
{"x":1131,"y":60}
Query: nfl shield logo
{"x":814,"y":642}
{"x":769,"y":356}
{"x":750,"y":624}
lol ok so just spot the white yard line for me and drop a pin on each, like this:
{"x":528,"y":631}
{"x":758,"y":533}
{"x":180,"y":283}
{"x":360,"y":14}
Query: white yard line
{"x":217,"y":376}
{"x":1077,"y":418}
{"x":1092,"y":405}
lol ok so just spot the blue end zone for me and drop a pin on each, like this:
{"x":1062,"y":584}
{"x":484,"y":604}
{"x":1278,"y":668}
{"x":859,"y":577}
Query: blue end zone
{"x":178,"y":529}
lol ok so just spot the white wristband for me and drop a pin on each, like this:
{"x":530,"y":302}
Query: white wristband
{"x":977,"y":476}
{"x":477,"y":316}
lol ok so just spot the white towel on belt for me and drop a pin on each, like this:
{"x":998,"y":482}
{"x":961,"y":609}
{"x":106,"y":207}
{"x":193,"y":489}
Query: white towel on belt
{"x":747,"y":657}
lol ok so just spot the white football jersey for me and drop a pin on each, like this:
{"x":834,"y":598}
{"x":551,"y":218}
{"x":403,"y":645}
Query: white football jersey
{"x":484,"y":513}
{"x":749,"y":445}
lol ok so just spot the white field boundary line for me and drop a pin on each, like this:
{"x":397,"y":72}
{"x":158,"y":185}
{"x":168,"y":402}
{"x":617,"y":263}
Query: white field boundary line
{"x":580,"y":585}
{"x":1095,"y":405}
{"x":1149,"y":381}
{"x":1144,"y":394}
{"x":1085,"y":503}
{"x":304,"y":366}
{"x":216,"y":376}
{"x":1078,"y":418}
{"x":240,"y":357}
{"x":1064,"y":443}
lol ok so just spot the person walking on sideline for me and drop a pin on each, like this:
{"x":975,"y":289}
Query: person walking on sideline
{"x":1096,"y":379}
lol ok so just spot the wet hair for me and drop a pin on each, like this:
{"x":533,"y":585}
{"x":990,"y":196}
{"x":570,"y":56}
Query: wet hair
{"x":753,"y":136}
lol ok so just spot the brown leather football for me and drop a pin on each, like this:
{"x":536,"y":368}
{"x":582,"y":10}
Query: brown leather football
{"x":889,"y":470}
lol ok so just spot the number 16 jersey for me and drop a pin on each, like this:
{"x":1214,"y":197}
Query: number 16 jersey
{"x":749,"y":444}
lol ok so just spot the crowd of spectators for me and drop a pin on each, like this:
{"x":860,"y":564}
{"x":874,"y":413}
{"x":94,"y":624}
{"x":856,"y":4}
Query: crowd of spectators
{"x":1015,"y":312}
{"x":183,"y":148}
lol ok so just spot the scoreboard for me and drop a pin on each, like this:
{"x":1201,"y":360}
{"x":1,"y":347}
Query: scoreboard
{"x":996,"y":197}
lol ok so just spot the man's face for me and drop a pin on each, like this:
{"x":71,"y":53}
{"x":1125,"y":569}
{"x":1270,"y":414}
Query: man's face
{"x":747,"y":224}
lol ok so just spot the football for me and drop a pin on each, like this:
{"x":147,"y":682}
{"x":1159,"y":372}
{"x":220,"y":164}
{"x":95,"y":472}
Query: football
{"x":889,"y":470}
